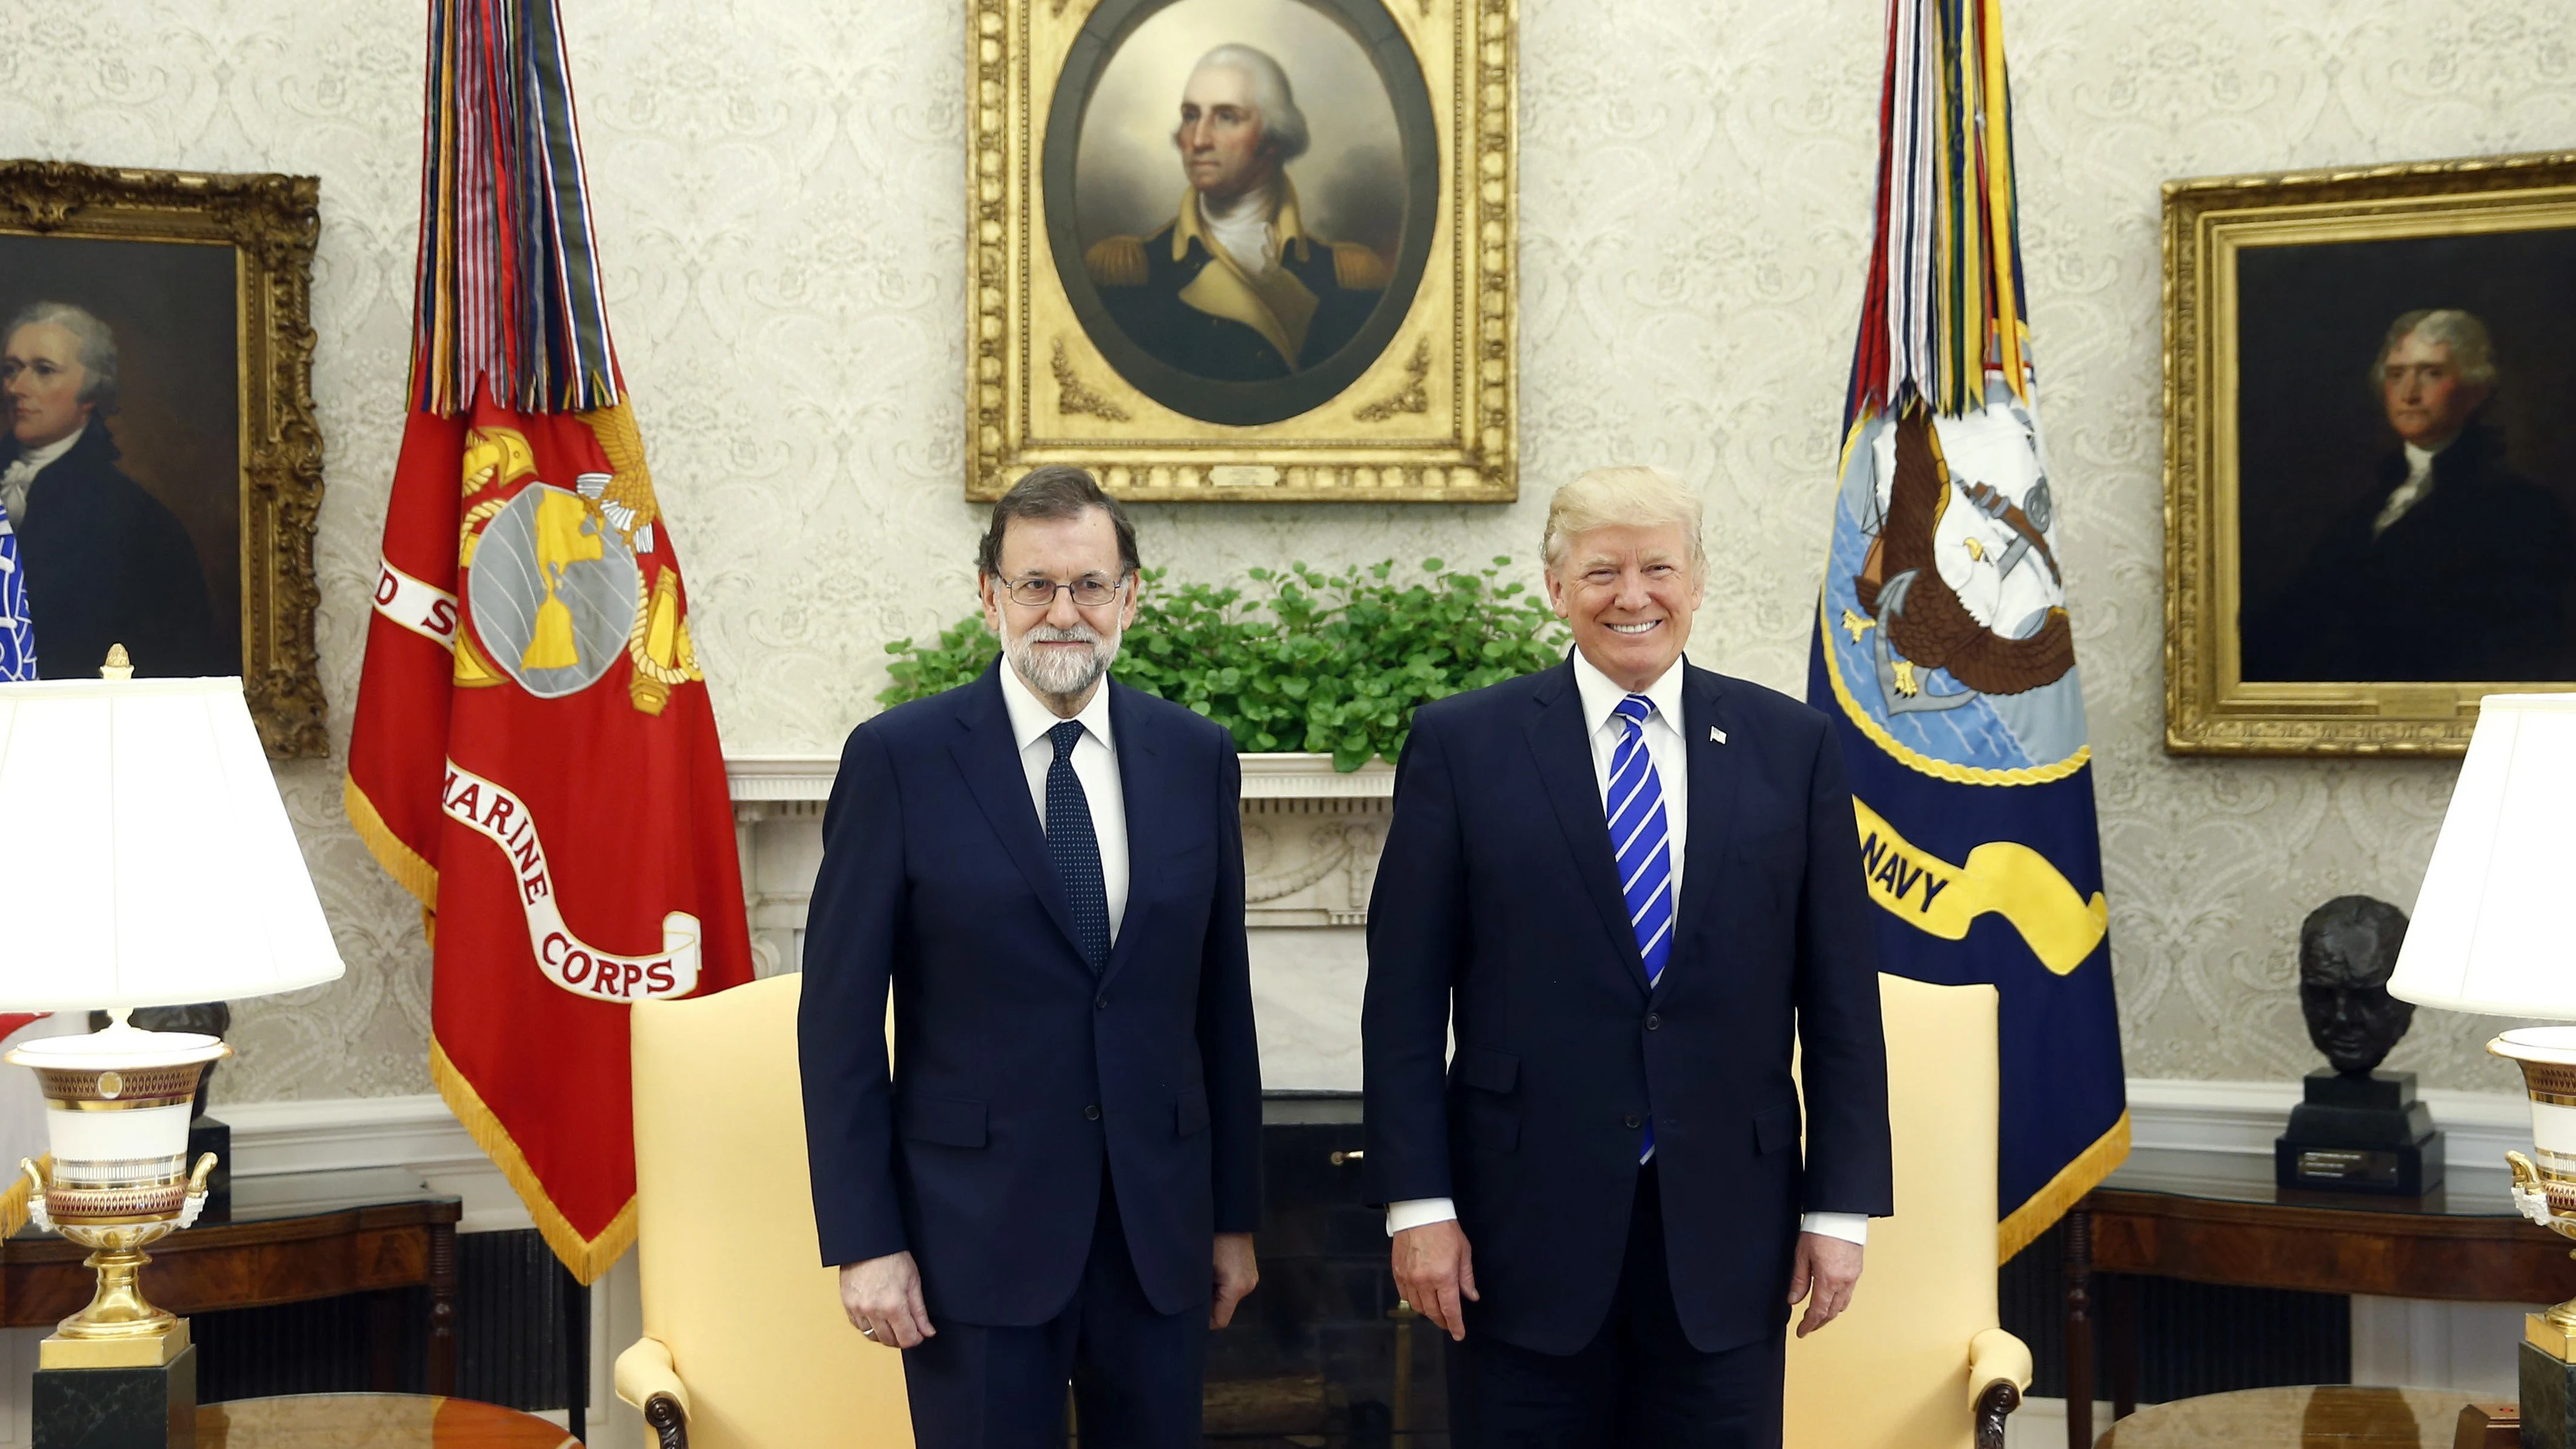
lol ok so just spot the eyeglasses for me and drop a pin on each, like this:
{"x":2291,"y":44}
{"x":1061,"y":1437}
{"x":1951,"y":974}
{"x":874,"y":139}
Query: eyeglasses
{"x":1089,"y":592}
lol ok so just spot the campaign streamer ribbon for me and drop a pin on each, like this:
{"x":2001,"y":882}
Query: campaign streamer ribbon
{"x":2001,"y":877}
{"x":565,"y":959}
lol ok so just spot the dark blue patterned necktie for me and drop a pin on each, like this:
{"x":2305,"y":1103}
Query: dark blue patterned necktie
{"x":1076,"y":849}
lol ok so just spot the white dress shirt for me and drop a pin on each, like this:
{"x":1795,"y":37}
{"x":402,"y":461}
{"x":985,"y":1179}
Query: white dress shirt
{"x":1669,"y":749}
{"x":20,"y":475}
{"x":2419,"y":481}
{"x":1095,"y":765}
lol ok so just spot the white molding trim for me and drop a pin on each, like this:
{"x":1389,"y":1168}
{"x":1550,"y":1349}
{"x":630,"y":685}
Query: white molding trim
{"x":2242,"y":1118}
{"x":760,"y":778}
{"x":780,"y":777}
{"x":417,"y":1133}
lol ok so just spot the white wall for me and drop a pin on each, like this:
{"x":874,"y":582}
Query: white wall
{"x":779,"y":196}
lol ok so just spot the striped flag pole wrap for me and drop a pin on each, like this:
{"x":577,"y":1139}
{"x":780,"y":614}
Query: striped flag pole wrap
{"x":1943,"y":648}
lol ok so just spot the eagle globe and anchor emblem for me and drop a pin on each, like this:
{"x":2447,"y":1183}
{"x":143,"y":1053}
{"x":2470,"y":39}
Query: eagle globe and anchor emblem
{"x":557,"y":588}
{"x":1946,"y":604}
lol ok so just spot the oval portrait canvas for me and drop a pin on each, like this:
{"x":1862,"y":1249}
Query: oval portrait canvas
{"x":1240,"y":197}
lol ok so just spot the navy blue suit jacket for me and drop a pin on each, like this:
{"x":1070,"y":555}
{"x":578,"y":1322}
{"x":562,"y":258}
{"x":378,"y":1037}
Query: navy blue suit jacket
{"x":1498,"y":899}
{"x":982,"y":1153}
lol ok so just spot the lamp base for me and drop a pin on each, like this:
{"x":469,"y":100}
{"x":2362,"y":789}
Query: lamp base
{"x":2548,"y":1390}
{"x":117,"y":1408}
{"x":149,"y":1350}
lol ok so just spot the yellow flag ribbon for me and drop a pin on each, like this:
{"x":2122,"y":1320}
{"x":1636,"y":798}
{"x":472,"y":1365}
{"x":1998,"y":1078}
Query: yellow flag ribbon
{"x":2004,"y":877}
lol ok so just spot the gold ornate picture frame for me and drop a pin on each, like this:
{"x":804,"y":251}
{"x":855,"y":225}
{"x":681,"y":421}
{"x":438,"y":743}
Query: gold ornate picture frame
{"x":192,"y":292}
{"x":1363,"y":348}
{"x":2370,"y":470}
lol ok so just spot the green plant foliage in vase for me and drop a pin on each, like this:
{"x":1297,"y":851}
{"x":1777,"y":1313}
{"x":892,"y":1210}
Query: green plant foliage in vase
{"x":1299,"y":659}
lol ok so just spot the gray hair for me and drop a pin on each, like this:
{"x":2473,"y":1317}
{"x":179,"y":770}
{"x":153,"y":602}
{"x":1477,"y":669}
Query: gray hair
{"x":1283,"y":126}
{"x":2471,"y":351}
{"x":97,"y":347}
{"x":1610,"y":497}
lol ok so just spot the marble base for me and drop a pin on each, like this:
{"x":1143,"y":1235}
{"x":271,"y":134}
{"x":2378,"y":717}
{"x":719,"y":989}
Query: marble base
{"x":2548,"y":1399}
{"x":117,"y":1408}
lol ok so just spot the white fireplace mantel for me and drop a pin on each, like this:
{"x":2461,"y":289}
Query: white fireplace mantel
{"x":759,"y":779}
{"x":1311,"y":836}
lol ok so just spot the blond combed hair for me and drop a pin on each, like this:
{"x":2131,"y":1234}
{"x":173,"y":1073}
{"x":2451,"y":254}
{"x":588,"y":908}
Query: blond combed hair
{"x":1632,"y":495}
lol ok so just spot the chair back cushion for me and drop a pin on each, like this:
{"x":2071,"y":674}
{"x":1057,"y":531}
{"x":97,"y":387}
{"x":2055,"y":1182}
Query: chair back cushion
{"x":1892,"y":1372}
{"x":733,"y":1281}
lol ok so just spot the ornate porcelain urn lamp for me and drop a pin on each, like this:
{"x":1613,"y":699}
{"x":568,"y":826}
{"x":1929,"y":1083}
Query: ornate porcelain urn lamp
{"x":2490,"y":936}
{"x":147,"y":860}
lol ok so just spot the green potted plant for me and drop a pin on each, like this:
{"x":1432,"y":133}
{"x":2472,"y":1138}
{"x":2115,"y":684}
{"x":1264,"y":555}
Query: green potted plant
{"x":1300,"y":659}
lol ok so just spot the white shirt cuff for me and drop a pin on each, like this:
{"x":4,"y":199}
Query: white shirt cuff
{"x":1424,"y":1211}
{"x":1419,"y":1212}
{"x":1850,"y":1227}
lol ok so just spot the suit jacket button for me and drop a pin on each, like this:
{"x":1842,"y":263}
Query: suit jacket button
{"x":1653,"y":1021}
{"x":1091,"y":1113}
{"x":1102,"y":1004}
{"x":1634,"y":1120}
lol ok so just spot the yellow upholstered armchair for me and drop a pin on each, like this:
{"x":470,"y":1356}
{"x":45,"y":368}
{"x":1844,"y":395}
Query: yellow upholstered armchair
{"x":744,"y":1344}
{"x":1917,"y":1361}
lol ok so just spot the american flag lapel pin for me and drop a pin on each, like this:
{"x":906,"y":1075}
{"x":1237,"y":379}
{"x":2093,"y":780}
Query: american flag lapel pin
{"x":1716,"y":736}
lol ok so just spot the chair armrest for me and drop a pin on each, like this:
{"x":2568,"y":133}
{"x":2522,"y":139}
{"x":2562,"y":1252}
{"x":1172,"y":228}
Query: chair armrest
{"x":1998,"y":1370}
{"x":646,"y":1379}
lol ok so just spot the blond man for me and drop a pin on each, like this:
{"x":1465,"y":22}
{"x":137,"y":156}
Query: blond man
{"x":1627,"y":887}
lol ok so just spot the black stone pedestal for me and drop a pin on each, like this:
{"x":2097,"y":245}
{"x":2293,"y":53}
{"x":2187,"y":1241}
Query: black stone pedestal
{"x":2548,"y":1389}
{"x":118,"y":1408}
{"x":2360,"y":1134}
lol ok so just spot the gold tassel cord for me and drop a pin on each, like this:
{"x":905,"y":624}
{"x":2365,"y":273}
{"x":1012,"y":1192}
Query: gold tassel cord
{"x":2044,"y":1207}
{"x":587,"y":1258}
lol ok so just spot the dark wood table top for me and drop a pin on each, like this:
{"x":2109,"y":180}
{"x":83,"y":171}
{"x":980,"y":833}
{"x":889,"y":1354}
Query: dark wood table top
{"x":373,"y":1421}
{"x":2331,"y":1417}
{"x":2212,"y":1218}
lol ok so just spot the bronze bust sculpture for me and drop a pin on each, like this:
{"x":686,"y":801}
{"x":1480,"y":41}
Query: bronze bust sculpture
{"x":2347,"y":948}
{"x":2359,"y":1129}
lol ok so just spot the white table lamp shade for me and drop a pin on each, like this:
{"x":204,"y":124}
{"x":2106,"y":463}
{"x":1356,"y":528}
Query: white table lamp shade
{"x":145,"y":855}
{"x":2492,"y":931}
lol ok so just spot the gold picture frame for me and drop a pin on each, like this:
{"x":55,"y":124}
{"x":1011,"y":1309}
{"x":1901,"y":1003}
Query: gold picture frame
{"x":149,"y":254}
{"x":2300,"y":617}
{"x":1405,"y":389}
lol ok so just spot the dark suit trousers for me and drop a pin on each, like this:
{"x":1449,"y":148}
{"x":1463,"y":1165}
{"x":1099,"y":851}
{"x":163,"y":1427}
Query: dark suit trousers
{"x":1638,"y":1385}
{"x":1135,"y":1373}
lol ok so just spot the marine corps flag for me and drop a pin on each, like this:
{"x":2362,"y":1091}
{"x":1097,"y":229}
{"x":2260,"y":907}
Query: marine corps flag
{"x":534,"y":755}
{"x":1942,"y":647}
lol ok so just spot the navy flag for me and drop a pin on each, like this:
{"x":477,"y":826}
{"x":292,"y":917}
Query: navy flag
{"x":1943,"y":650}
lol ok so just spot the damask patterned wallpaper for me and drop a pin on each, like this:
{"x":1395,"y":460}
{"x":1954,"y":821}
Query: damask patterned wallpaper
{"x":780,"y":201}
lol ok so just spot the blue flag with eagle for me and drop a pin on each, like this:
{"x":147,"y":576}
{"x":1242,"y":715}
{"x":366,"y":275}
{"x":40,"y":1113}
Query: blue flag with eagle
{"x":1943,"y":650}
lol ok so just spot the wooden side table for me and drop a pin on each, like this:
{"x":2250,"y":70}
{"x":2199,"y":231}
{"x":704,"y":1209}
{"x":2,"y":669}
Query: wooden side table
{"x":373,"y":1421}
{"x":2331,"y":1417}
{"x":283,"y":1240}
{"x":2216,"y":1219}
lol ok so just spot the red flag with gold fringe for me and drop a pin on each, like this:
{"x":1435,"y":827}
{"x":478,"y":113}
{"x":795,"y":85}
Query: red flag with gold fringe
{"x":535,"y":755}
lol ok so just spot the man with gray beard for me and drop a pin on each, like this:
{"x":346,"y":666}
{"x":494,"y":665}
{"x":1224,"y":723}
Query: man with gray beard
{"x":1057,"y":1176}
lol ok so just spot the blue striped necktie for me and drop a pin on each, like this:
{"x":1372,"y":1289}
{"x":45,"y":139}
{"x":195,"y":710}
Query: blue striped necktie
{"x":1641,"y":840}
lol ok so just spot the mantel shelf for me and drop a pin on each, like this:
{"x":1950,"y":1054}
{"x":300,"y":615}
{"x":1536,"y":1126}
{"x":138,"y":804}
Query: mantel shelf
{"x":766,"y":778}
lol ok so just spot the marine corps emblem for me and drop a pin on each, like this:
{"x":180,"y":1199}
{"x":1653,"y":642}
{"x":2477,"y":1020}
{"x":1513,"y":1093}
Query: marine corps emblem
{"x":560,"y":582}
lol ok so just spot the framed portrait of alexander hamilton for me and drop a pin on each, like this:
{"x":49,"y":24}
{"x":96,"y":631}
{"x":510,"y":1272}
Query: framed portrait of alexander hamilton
{"x":1246,"y":250}
{"x":2370,"y":466}
{"x":161,"y":468}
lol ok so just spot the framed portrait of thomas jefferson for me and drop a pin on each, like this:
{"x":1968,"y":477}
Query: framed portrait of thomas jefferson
{"x":1247,"y":250}
{"x":2370,"y":459}
{"x":161,"y":468}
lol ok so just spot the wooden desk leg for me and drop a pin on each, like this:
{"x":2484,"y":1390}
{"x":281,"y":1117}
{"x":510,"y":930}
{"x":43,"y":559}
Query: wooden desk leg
{"x":2120,"y":1299}
{"x":442,"y":1308}
{"x":2079,"y":1329}
{"x":384,"y":1341}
